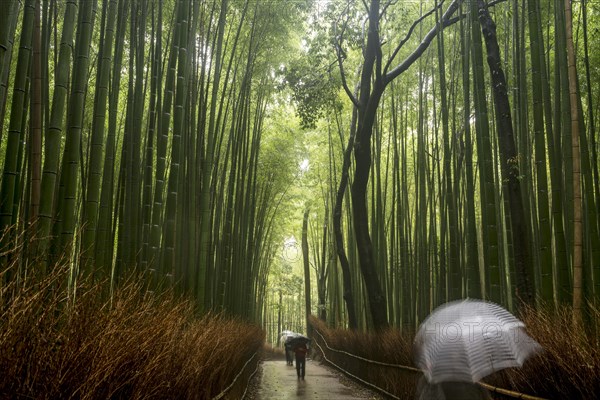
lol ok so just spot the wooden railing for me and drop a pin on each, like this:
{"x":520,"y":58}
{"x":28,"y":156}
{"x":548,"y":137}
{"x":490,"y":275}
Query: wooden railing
{"x":239,"y":386}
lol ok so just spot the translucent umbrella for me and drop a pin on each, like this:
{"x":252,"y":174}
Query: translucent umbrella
{"x":296,"y":340}
{"x":466,"y":340}
{"x":287,"y":335}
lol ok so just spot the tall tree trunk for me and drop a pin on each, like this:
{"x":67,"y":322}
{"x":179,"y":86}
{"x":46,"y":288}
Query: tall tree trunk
{"x":158,"y":209}
{"x":155,"y":101}
{"x":509,"y":160}
{"x":545,"y":228}
{"x":562,"y":164}
{"x":590,"y":108}
{"x":593,"y":189}
{"x":306,"y":264}
{"x":36,"y":119}
{"x":8,"y":25}
{"x":337,"y":227}
{"x":493,"y":274}
{"x":207,"y":165}
{"x":8,"y":188}
{"x":130,"y":229}
{"x":169,"y":228}
{"x":454,"y":273}
{"x":369,"y":101}
{"x":373,"y":80}
{"x":323,"y":269}
{"x":472,"y":253}
{"x":103,"y":251}
{"x":67,"y":207}
{"x":94,"y":176}
{"x":577,"y":206}
{"x":54,"y":131}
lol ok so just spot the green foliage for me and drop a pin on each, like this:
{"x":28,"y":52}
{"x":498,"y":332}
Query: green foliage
{"x":278,"y":103}
{"x":313,"y":90}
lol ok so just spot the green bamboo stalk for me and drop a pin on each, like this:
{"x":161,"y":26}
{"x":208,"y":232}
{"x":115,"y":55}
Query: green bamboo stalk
{"x":162,"y":141}
{"x":473,"y":284}
{"x":509,"y":161}
{"x":124,"y":248}
{"x":134,"y":199}
{"x":8,"y":14}
{"x":54,"y":133}
{"x":207,"y":164}
{"x":546,"y":287}
{"x":454,"y":273}
{"x":592,"y":188}
{"x":36,"y":120}
{"x":155,"y":103}
{"x":70,"y":166}
{"x":169,"y":229}
{"x":103,"y":252}
{"x":493,"y":274}
{"x":8,"y":26}
{"x":591,"y":236}
{"x":8,"y":188}
{"x":420,"y":228}
{"x":94,"y":176}
{"x":562,"y":162}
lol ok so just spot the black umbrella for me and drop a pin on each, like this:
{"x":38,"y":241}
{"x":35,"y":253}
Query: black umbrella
{"x":297,"y":340}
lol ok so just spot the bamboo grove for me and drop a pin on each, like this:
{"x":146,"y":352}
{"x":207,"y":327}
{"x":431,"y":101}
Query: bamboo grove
{"x":132,"y":136}
{"x":452,"y":149}
{"x":479,"y":150}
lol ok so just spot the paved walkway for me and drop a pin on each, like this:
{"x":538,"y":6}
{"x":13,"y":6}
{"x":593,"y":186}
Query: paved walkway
{"x":279,"y":381}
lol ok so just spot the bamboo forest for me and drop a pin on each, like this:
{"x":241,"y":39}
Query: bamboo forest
{"x":188,"y":186}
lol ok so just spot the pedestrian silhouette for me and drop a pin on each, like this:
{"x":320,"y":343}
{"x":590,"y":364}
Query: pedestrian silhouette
{"x":288,"y":354}
{"x":300,"y":350}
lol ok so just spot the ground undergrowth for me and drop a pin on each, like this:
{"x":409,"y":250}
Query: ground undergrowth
{"x":567,"y":368}
{"x":58,"y":342}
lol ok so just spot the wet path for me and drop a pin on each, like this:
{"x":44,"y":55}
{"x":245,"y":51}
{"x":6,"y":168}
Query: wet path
{"x":279,"y":381}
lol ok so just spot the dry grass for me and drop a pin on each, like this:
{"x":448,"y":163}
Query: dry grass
{"x":391,"y":347}
{"x":568,"y":368}
{"x":139,"y":346}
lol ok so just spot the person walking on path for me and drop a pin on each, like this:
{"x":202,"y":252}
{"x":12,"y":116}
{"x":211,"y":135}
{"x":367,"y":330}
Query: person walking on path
{"x":300,"y":350}
{"x":288,"y":354}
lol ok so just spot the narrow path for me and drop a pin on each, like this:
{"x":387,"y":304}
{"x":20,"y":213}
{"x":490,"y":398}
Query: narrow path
{"x":276,"y":380}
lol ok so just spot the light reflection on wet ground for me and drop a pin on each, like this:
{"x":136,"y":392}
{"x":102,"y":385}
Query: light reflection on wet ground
{"x":279,"y":381}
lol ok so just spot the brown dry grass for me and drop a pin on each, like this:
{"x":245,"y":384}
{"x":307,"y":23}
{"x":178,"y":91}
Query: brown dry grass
{"x":391,"y":347}
{"x":568,"y":368}
{"x":137,"y":346}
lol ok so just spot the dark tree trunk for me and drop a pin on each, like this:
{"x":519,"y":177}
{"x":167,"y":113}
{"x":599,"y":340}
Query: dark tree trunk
{"x":362,"y":157}
{"x":509,"y":159}
{"x":337,"y":229}
{"x":306,"y":263}
{"x":368,"y":103}
{"x":322,"y":271}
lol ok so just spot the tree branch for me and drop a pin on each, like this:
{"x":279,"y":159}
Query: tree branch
{"x":366,"y":5}
{"x":493,"y":3}
{"x":340,"y":55}
{"x":446,"y":21}
{"x":343,"y":75}
{"x":386,"y":6}
{"x":408,"y":34}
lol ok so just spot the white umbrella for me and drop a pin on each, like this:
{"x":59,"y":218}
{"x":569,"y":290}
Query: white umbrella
{"x":466,"y":340}
{"x":286,"y":335}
